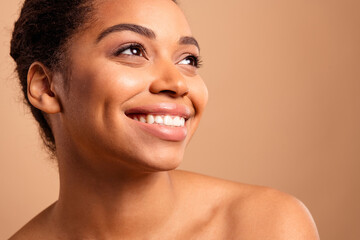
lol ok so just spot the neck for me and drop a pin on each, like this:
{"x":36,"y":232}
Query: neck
{"x":104,"y":206}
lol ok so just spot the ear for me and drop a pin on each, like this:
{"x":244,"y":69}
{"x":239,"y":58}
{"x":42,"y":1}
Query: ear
{"x":40,"y":89}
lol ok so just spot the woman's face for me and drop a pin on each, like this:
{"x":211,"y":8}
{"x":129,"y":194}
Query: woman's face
{"x":132,"y":69}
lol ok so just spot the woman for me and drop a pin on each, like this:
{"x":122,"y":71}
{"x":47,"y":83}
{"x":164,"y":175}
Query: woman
{"x":115,"y":89}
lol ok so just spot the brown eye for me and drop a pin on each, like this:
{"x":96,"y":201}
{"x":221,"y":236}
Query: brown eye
{"x":133,"y":49}
{"x":191,"y":60}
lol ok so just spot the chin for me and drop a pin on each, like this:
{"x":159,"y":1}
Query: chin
{"x":152,"y":154}
{"x":161,"y":161}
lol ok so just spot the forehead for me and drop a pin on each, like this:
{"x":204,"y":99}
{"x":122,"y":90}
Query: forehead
{"x":164,"y":17}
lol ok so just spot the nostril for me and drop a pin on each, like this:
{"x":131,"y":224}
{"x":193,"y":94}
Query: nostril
{"x":170,"y":92}
{"x":173,"y":86}
{"x":174,"y":93}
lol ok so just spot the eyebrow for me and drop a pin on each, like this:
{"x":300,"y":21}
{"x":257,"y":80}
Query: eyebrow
{"x":189,"y":41}
{"x":127,"y":27}
{"x":186,"y":40}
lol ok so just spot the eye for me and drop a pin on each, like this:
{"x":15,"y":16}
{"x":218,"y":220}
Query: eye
{"x":133,"y":49}
{"x":191,"y":60}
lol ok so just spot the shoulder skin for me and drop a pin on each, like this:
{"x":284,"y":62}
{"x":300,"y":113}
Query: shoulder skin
{"x":255,"y":212}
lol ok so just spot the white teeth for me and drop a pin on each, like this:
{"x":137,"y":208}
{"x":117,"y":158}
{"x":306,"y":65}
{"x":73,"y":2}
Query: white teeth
{"x":182,"y":122}
{"x":168,"y":121}
{"x":150,"y":119}
{"x":142,"y":119}
{"x":177,"y":122}
{"x":161,"y":120}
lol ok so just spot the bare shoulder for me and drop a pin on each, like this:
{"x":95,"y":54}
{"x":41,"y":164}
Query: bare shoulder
{"x":37,"y":228}
{"x":271,"y":214}
{"x":255,"y":212}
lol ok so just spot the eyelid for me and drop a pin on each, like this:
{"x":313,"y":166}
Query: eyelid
{"x":117,"y":51}
{"x":197,"y":59}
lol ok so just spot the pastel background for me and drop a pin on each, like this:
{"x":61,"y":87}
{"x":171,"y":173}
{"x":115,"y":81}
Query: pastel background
{"x":284,"y":109}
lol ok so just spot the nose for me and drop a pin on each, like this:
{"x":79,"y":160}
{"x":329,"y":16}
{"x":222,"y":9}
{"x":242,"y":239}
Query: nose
{"x":170,"y":81}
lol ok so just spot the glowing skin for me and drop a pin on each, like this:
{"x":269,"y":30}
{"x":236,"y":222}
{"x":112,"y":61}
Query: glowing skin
{"x":132,"y":72}
{"x":105,"y":85}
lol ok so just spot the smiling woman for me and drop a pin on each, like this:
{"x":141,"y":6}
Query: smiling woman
{"x":115,"y":88}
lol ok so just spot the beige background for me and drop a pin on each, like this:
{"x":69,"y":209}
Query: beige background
{"x":284,"y":109}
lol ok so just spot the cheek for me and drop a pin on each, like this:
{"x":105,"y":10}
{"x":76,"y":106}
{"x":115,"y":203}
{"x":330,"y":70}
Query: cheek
{"x":103,"y":84}
{"x":199,"y":95}
{"x":97,"y":95}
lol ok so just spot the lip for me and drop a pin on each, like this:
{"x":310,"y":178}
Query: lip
{"x":163,"y":132}
{"x":172,"y":109}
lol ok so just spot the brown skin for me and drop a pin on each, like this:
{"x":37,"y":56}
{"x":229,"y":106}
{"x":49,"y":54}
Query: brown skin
{"x":112,"y":190}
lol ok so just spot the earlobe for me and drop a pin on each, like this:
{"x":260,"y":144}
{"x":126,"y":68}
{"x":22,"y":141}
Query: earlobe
{"x":39,"y":89}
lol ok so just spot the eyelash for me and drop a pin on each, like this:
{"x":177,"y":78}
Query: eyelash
{"x":197,"y":59}
{"x":119,"y":51}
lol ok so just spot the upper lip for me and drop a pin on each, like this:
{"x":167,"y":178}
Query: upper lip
{"x":172,"y":109}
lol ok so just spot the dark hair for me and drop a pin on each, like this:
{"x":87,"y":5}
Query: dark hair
{"x":41,"y":34}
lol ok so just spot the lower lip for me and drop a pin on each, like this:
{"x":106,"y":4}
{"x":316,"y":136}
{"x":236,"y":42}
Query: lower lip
{"x":175,"y":134}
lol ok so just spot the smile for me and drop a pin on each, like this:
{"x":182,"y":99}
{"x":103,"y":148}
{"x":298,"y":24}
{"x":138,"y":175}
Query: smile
{"x":167,"y":120}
